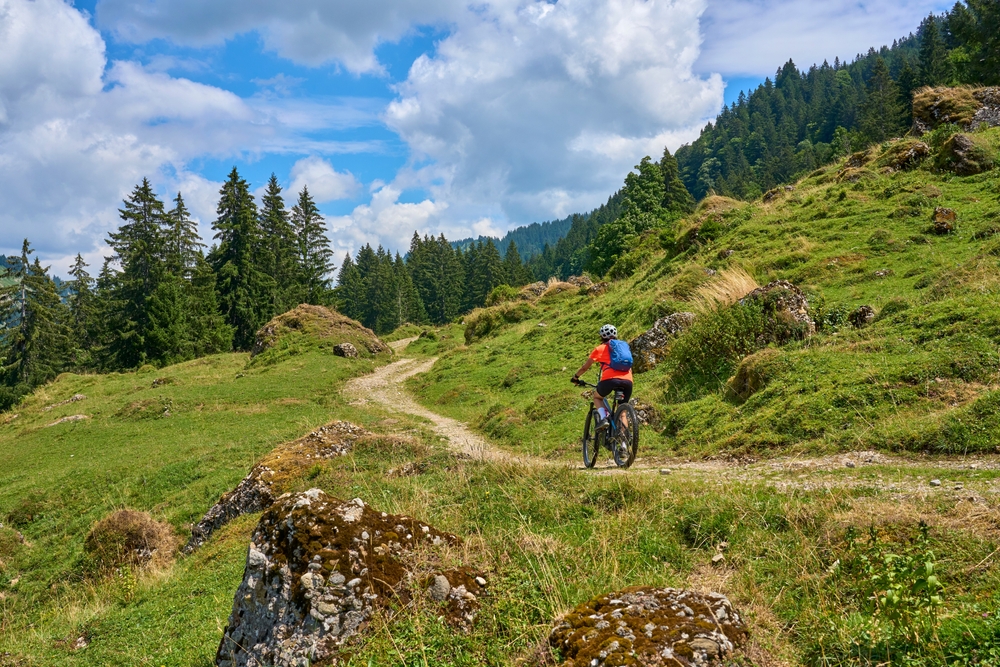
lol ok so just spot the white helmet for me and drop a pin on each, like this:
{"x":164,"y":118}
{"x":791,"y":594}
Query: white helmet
{"x":608,"y":332}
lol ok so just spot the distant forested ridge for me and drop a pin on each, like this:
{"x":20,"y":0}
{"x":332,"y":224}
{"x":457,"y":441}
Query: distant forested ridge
{"x":530,"y":239}
{"x":803,"y":119}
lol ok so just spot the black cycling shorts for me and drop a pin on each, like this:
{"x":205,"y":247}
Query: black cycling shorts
{"x":605,"y":387}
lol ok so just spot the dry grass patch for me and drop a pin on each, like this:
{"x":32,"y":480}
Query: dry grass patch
{"x":938,"y":106}
{"x":725,"y":289}
{"x":130,"y":538}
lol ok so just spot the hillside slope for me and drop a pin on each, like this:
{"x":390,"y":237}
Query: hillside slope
{"x":921,"y":377}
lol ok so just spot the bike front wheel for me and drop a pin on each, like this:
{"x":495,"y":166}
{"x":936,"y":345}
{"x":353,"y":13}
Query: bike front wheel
{"x":590,"y":443}
{"x":626,"y":438}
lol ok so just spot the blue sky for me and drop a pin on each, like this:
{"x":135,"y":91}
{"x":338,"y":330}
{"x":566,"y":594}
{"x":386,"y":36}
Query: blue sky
{"x":435,"y":115}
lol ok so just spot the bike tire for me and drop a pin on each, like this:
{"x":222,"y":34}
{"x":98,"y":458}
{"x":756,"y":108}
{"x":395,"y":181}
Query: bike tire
{"x":626,"y":442}
{"x":590,"y":444}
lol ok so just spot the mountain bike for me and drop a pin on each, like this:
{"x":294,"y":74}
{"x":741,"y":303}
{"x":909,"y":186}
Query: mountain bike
{"x":621,"y":436}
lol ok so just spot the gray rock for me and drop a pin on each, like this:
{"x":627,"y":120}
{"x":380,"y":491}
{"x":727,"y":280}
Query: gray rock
{"x":782,"y":299}
{"x":345,"y":350}
{"x":935,"y":482}
{"x":439,"y":588}
{"x":704,"y":645}
{"x":649,"y":348}
{"x":862,"y":316}
{"x":288,"y":614}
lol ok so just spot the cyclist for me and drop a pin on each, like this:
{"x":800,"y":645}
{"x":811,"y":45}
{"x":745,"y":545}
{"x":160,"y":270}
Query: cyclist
{"x":610,"y":380}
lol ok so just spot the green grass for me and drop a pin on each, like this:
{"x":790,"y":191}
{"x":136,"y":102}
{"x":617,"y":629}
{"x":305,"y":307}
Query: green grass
{"x":222,"y":417}
{"x":922,"y":378}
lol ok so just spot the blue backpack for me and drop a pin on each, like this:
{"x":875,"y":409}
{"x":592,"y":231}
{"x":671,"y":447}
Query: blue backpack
{"x":621,"y":355}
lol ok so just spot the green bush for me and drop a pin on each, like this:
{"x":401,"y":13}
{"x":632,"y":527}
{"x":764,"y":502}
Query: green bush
{"x":483,"y":322}
{"x":896,"y":305}
{"x":502,"y":294}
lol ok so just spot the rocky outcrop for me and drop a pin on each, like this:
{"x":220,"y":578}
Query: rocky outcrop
{"x":321,"y":324}
{"x":970,"y":108}
{"x":650,"y":348}
{"x":596,"y":289}
{"x":345,"y":350}
{"x":862,"y":316}
{"x":650,"y":626}
{"x":784,"y":304}
{"x":534,"y":290}
{"x":583,"y":282}
{"x":266,"y":481}
{"x":944,"y":220}
{"x":316,"y":569}
{"x":962,"y":155}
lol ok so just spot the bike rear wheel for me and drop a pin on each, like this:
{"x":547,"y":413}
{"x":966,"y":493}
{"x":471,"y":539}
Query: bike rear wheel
{"x":626,"y":438}
{"x":590,"y":444}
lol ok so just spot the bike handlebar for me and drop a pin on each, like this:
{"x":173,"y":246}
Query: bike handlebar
{"x":581,"y":383}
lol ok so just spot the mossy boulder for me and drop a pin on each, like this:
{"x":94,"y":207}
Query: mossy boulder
{"x":964,"y":155}
{"x":754,"y":373}
{"x":649,"y":626}
{"x":316,"y":570}
{"x":314,"y":326}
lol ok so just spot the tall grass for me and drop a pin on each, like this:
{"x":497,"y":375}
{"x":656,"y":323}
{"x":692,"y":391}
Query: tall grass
{"x":728,"y":287}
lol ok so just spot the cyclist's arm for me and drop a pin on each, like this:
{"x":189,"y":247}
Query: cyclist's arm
{"x":586,"y":367}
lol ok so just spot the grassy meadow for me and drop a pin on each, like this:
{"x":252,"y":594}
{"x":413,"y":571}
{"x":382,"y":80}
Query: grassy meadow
{"x":760,"y":502}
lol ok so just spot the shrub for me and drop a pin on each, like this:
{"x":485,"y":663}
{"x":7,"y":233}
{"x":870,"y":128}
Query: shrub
{"x":896,"y":305}
{"x":129,"y":538}
{"x":484,"y":321}
{"x":718,"y":340}
{"x":27,"y":509}
{"x":502,"y":294}
{"x":754,"y":373}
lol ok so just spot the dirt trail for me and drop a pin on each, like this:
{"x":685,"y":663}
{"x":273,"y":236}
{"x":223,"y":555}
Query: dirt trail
{"x":384,"y":387}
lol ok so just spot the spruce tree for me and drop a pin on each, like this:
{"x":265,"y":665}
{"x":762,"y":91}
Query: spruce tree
{"x":409,"y":307}
{"x":350,"y":290}
{"x":677,"y":201}
{"x":280,"y":239}
{"x":881,"y":114}
{"x":81,"y":307}
{"x":182,"y":243}
{"x":245,"y":291}
{"x":485,"y":270}
{"x":207,"y":330}
{"x":37,"y":340}
{"x":139,"y":248}
{"x":515,"y":272}
{"x":167,"y":340}
{"x":314,"y":254}
{"x":934,"y":67}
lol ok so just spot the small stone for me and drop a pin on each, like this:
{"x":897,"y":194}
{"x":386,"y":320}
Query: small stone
{"x":439,"y":588}
{"x":480,"y":581}
{"x":345,"y":350}
{"x":717,"y":559}
{"x":664,"y":471}
{"x":353,"y":582}
{"x":958,"y":487}
{"x":850,"y":464}
{"x":706,"y":645}
{"x":935,"y":482}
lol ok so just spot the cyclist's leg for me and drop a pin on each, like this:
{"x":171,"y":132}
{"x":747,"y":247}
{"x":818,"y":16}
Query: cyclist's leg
{"x":625,"y":387}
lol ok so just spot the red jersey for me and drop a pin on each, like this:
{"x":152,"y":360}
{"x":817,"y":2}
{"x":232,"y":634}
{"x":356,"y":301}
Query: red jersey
{"x":602,"y":355}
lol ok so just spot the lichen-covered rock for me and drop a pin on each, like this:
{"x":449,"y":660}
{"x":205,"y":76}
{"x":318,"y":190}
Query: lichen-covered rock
{"x":903,"y":155}
{"x":345,"y":350}
{"x":649,"y":627}
{"x":266,"y":481}
{"x":970,"y":108}
{"x":648,"y":415}
{"x":650,"y":348}
{"x":316,"y":569}
{"x":784,"y":303}
{"x":862,"y":316}
{"x":944,"y":220}
{"x":318,"y":323}
{"x":962,"y":155}
{"x":582,"y":282}
{"x":596,"y":289}
{"x":534,"y":290}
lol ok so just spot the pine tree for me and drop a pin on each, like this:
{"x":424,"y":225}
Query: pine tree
{"x":245,"y":291}
{"x":314,"y":254}
{"x":485,"y":270}
{"x":350,"y":290}
{"x":81,"y":307}
{"x":139,"y":248}
{"x":677,"y":201}
{"x":934,"y":67}
{"x":167,"y":340}
{"x":183,"y":243}
{"x":207,"y":330}
{"x":280,"y":239}
{"x":514,"y":270}
{"x":881,"y":114}
{"x":409,"y":307}
{"x":37,"y":340}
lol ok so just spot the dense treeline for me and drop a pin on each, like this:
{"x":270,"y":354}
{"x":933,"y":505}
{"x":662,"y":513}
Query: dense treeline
{"x":530,"y":239}
{"x":159,"y":298}
{"x":435,"y":283}
{"x":791,"y":125}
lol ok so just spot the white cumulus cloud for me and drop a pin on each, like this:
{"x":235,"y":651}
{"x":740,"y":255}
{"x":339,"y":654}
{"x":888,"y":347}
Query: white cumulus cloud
{"x":313,"y":32}
{"x":325,"y":183}
{"x":536,"y":109}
